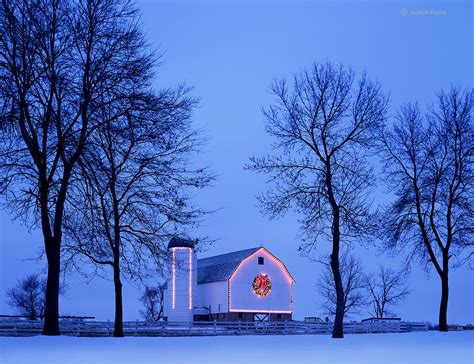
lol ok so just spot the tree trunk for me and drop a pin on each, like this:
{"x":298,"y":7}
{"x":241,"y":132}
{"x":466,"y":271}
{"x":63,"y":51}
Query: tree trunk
{"x":51,"y":310}
{"x":443,"y":307}
{"x":337,"y":332}
{"x":118,"y":325}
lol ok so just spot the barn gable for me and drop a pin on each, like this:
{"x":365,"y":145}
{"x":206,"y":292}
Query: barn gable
{"x":221,"y":267}
{"x":278,"y":261}
{"x":245,"y":286}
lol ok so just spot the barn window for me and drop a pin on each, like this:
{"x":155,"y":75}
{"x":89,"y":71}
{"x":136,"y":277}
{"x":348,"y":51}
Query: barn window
{"x":279,"y":316}
{"x":241,"y":314}
{"x":261,"y":261}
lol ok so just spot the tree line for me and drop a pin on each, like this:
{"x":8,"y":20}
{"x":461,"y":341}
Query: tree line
{"x":27,"y":298}
{"x":378,"y":293}
{"x":100,"y":159}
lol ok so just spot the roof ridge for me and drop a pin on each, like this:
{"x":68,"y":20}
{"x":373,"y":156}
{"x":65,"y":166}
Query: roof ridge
{"x":236,"y":252}
{"x":220,"y":267}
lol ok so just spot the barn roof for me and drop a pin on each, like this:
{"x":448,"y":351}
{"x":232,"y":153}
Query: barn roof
{"x":221,"y":267}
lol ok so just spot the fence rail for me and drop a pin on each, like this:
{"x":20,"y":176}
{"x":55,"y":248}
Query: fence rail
{"x":16,"y":327}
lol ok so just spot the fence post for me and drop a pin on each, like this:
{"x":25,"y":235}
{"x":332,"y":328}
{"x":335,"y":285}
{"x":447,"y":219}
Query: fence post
{"x":136,"y":328}
{"x":215,"y":327}
{"x":78,"y":328}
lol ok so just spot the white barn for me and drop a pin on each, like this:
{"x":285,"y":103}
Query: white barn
{"x":245,"y":285}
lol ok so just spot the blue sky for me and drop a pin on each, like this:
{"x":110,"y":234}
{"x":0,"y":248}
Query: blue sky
{"x":230,"y":52}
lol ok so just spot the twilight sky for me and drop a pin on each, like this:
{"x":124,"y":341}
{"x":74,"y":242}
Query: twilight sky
{"x":230,"y":52}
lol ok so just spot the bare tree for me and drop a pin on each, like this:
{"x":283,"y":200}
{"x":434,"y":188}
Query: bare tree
{"x":323,"y":124}
{"x":64,"y":67}
{"x":353,"y":283}
{"x":386,"y":289}
{"x":429,"y":161}
{"x":133,"y":190}
{"x":153,"y":301}
{"x":28,"y":297}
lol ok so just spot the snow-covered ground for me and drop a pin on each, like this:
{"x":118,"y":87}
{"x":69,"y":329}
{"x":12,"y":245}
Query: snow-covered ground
{"x":423,"y":347}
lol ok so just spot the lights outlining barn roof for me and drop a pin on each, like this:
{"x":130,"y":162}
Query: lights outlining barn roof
{"x":223,"y":267}
{"x":275,"y":259}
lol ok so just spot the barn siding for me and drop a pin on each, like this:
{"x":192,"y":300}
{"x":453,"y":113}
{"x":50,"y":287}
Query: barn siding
{"x":213,"y":294}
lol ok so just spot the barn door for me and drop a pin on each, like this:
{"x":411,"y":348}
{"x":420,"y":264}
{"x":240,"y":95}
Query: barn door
{"x":261,"y":317}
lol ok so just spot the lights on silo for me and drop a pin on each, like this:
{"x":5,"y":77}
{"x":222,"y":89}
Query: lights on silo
{"x":173,"y":277}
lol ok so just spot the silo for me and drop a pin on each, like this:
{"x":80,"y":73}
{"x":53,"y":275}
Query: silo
{"x":182,"y":281}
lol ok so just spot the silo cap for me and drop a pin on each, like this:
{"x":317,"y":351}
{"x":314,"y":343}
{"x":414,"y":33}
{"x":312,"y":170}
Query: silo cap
{"x":180,"y":243}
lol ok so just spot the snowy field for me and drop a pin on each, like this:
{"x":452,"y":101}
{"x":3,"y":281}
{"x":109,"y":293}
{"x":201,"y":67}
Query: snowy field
{"x":423,"y":347}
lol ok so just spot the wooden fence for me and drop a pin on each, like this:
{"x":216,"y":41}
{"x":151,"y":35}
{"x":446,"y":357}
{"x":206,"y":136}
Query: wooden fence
{"x":16,"y":327}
